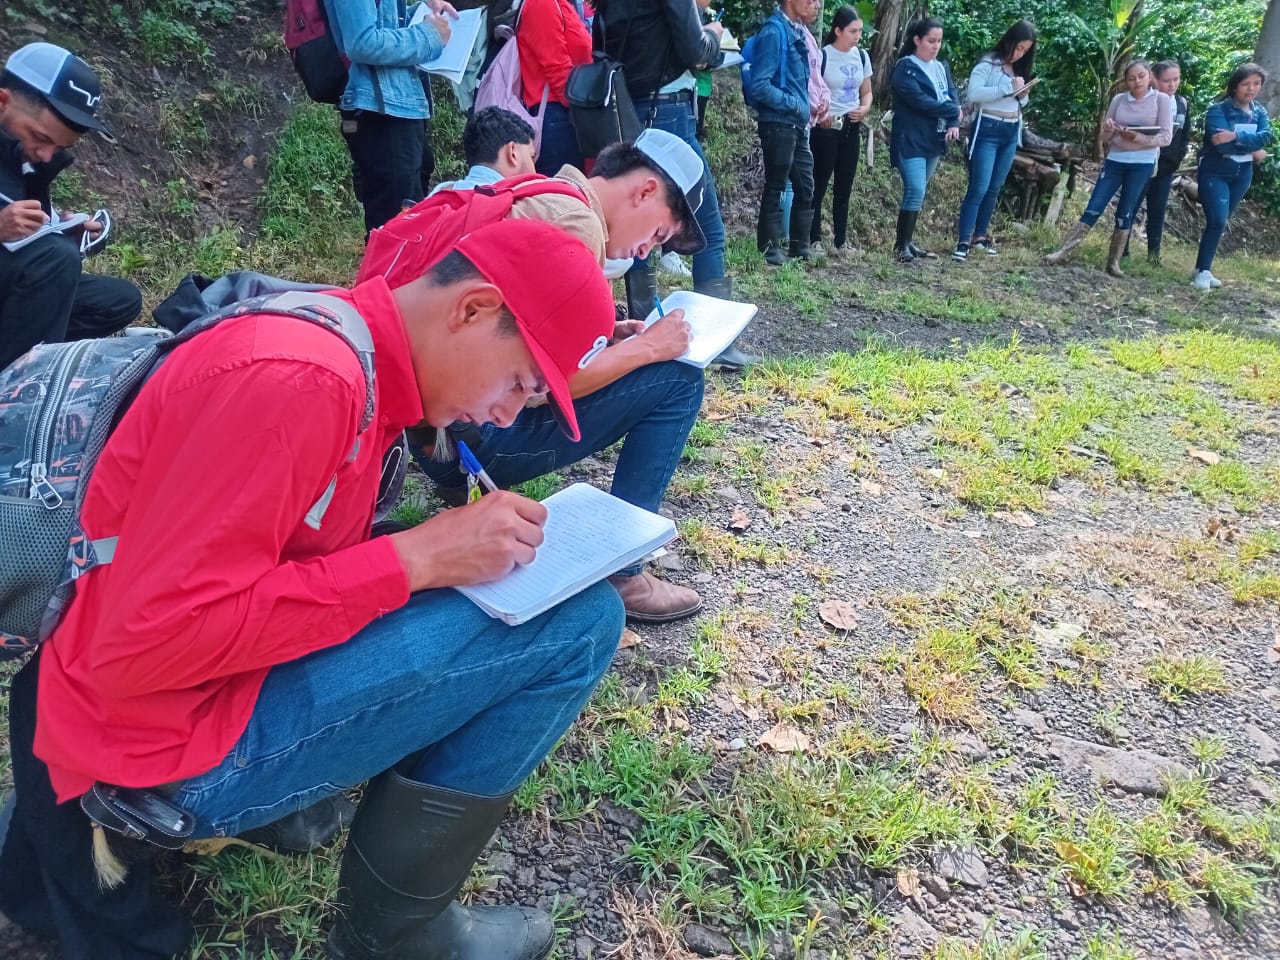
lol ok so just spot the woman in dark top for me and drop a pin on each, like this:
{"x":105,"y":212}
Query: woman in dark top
{"x":1168,"y":77}
{"x":926,"y":117}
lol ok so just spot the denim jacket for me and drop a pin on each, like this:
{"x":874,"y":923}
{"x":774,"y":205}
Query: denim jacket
{"x":780,"y":73}
{"x":384,"y":55}
{"x":1224,"y":115}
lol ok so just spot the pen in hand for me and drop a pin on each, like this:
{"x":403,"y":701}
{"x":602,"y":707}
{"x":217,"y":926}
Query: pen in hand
{"x":658,"y":306}
{"x":472,"y":466}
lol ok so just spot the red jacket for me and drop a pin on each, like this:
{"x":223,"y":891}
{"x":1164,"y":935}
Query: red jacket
{"x":154,"y":672}
{"x":553,"y":40}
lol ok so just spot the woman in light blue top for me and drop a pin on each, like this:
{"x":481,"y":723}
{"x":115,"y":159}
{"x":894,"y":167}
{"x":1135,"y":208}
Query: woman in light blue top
{"x":997,"y":92}
{"x":1236,"y":135}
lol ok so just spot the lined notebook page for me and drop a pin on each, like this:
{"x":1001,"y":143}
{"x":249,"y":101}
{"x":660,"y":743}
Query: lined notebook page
{"x":715,"y":323}
{"x":590,"y":534}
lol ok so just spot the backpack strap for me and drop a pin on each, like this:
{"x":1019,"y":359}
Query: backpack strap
{"x":335,"y":315}
{"x":332,"y":313}
{"x":497,"y":199}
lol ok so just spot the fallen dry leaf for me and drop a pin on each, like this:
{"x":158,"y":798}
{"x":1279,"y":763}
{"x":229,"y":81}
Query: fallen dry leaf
{"x":215,"y":845}
{"x":838,"y":613}
{"x":1204,"y":456}
{"x":740,"y":520}
{"x":819,"y":441}
{"x":250,"y":162}
{"x":908,"y":881}
{"x":784,"y":738}
{"x":1017,"y":518}
{"x":715,"y":415}
{"x":629,"y":639}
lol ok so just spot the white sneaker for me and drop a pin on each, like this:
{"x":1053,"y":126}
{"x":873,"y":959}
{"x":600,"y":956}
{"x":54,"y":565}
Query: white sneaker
{"x":817,"y":250}
{"x":671,"y":263}
{"x":1204,"y":280}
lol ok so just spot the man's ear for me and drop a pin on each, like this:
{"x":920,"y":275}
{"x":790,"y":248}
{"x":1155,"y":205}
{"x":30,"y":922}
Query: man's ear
{"x":646,"y":188}
{"x":477,"y":302}
{"x":510,"y":156}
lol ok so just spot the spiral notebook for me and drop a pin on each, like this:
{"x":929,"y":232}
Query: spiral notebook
{"x":589,"y":535}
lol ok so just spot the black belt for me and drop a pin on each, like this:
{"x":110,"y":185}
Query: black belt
{"x":680,"y":96}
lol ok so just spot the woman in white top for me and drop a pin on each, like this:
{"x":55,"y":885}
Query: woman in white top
{"x":997,"y":94}
{"x":1138,"y":123}
{"x":837,"y":139}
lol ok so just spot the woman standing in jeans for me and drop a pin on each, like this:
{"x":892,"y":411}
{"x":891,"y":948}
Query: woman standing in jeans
{"x":926,"y":117}
{"x":1168,"y":74}
{"x":1138,"y":123}
{"x":553,"y":40}
{"x":1236,"y":135}
{"x":996,"y":88}
{"x":837,"y":139}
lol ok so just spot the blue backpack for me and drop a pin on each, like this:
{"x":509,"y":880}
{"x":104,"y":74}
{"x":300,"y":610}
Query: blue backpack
{"x":748,"y":55}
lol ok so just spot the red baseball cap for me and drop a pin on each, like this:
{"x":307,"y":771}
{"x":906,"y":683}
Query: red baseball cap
{"x":552,"y":284}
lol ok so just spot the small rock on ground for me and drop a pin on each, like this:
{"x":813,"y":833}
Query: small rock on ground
{"x":961,"y":864}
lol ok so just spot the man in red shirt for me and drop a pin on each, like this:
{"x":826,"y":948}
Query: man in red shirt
{"x":249,"y":659}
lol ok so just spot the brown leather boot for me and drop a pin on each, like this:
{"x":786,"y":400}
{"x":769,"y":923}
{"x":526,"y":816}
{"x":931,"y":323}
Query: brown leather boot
{"x":650,"y":600}
{"x":1118,"y":239}
{"x":1075,"y":236}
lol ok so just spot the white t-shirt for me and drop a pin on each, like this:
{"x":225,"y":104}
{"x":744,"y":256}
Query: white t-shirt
{"x":844,"y":74}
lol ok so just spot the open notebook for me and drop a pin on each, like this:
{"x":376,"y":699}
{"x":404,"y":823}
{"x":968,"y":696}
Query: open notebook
{"x":452,"y":61}
{"x":589,"y":534}
{"x":716,"y":323}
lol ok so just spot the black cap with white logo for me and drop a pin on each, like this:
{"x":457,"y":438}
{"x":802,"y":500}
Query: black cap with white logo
{"x":67,"y":83}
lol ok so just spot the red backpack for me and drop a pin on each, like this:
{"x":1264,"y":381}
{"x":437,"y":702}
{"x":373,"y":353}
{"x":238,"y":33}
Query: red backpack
{"x":405,"y":247}
{"x":322,"y":69}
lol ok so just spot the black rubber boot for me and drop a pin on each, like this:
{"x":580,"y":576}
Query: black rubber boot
{"x":642,"y":289}
{"x":307,"y":830}
{"x":906,"y":230}
{"x":731,"y":358}
{"x":801,"y":225}
{"x":410,"y":850}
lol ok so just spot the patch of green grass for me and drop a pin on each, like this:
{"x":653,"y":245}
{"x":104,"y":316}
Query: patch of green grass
{"x":1026,"y":944}
{"x":1105,"y":944}
{"x":308,"y":203}
{"x":1176,"y":678}
{"x":539,"y":488}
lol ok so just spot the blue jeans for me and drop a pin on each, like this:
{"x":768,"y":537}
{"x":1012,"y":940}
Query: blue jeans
{"x":916,"y":173}
{"x":653,"y":408}
{"x":1220,"y":194}
{"x":680,"y":118}
{"x":1130,"y":179}
{"x":559,"y":141}
{"x":989,"y":163}
{"x":484,"y":702}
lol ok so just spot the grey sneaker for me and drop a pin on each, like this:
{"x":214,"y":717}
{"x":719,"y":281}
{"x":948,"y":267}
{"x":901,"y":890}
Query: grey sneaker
{"x":817,"y":250}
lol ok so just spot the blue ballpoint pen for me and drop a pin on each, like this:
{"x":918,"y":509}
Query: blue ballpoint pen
{"x":719,"y":14}
{"x":658,"y":305}
{"x":472,"y":466}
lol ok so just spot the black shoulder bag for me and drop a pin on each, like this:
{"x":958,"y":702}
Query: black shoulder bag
{"x":599,"y":102}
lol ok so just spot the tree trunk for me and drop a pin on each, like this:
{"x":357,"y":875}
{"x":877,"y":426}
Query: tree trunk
{"x":1267,"y":55}
{"x":1117,"y":61}
{"x":884,"y":48}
